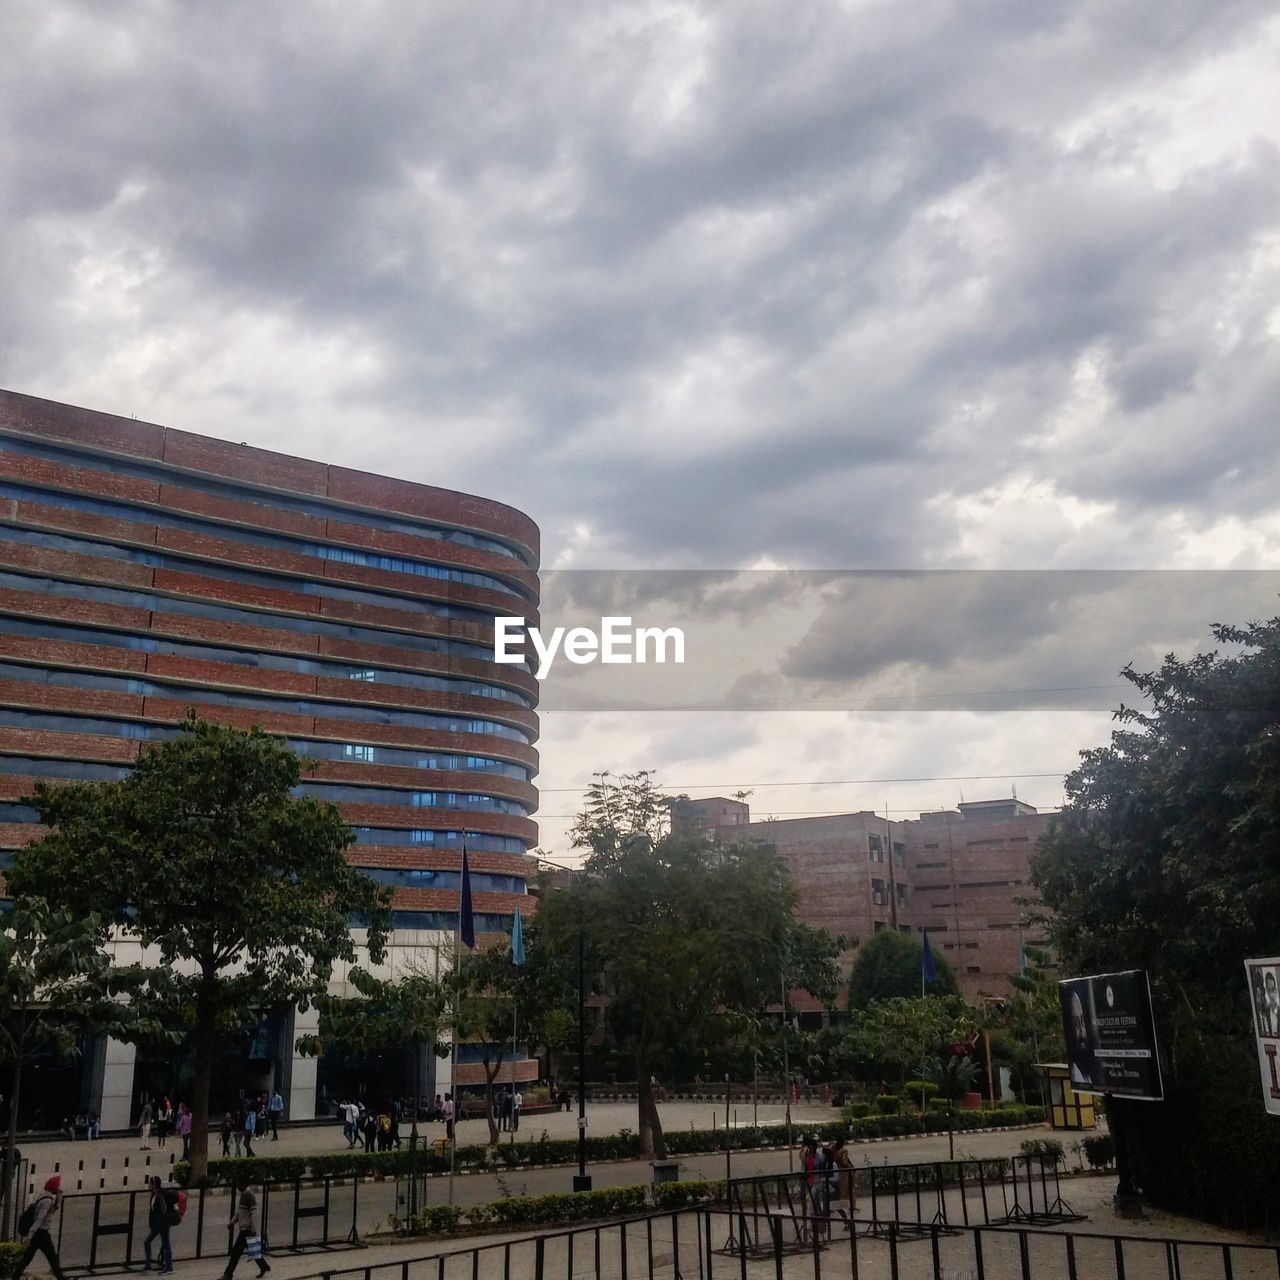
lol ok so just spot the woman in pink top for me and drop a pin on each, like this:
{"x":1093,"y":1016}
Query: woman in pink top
{"x":184,"y":1128}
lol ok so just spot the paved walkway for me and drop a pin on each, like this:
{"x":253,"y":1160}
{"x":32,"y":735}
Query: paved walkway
{"x":110,"y":1164}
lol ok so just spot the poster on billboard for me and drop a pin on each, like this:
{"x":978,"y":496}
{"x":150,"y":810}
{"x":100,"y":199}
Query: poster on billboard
{"x":1264,"y":994}
{"x":1111,"y":1035}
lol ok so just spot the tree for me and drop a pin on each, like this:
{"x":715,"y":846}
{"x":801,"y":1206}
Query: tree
{"x":55,"y":983}
{"x":954,"y":1075}
{"x":888,"y":966}
{"x":413,"y":1008}
{"x":687,"y":936}
{"x":893,"y":1040}
{"x":238,"y":889}
{"x":1164,"y":859}
{"x":488,"y":985}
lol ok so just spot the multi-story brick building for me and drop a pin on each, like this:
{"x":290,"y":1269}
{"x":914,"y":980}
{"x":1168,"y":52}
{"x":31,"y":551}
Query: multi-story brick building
{"x":961,"y":874}
{"x":145,"y":570}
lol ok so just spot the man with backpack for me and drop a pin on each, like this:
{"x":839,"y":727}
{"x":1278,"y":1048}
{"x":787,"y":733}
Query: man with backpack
{"x":36,"y":1226}
{"x":164,"y":1211}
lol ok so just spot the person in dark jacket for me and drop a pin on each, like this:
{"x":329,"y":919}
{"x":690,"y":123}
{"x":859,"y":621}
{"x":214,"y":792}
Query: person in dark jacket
{"x":158,"y":1225}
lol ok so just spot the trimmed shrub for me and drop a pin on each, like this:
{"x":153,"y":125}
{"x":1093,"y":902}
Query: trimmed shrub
{"x":1049,"y":1151}
{"x":679,"y":1195}
{"x":1099,"y":1150}
{"x":10,"y":1252}
{"x":887,"y":1104}
{"x":938,"y":1104}
{"x":561,"y":1206}
{"x":856,"y":1110}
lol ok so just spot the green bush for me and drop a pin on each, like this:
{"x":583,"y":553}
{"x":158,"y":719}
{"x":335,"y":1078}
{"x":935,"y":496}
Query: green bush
{"x":10,"y":1252}
{"x":436,"y":1220}
{"x":887,"y":1104}
{"x":679,"y":1195}
{"x":561,"y":1206}
{"x":938,"y":1104}
{"x":914,"y":1090}
{"x":1099,"y":1150}
{"x":856,"y":1110}
{"x":1048,"y":1151}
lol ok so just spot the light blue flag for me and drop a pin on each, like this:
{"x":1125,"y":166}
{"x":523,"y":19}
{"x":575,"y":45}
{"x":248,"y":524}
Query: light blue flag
{"x":517,"y":940}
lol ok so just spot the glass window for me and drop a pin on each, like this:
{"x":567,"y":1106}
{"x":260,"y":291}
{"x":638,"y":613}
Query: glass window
{"x":250,"y":617}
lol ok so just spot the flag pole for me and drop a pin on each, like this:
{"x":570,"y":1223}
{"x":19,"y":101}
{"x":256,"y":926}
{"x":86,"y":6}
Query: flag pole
{"x":453,"y":1048}
{"x":466,"y":935}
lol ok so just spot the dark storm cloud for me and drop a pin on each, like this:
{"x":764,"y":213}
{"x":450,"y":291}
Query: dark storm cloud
{"x":694,"y":285}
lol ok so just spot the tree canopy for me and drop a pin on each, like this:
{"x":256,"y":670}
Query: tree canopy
{"x":56,"y":982}
{"x":689,"y":937}
{"x":887,"y":967}
{"x":238,"y":888}
{"x":1164,"y":858}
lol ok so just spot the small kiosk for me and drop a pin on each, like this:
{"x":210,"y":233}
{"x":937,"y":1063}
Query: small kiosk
{"x":1067,"y":1109}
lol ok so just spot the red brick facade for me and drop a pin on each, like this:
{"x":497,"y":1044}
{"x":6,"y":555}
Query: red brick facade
{"x":960,"y":874}
{"x":147,"y":570}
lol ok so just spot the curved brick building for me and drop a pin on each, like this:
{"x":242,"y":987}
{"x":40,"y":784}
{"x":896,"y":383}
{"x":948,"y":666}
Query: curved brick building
{"x":145,"y":570}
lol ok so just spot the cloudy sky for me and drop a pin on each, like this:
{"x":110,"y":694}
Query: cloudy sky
{"x":713,"y":287}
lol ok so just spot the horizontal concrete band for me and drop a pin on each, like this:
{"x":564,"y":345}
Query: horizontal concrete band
{"x":109,"y":433}
{"x":265,"y":638}
{"x":64,"y":520}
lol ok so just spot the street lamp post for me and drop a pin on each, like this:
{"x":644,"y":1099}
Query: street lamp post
{"x":582,"y":1180}
{"x":786,"y":1075}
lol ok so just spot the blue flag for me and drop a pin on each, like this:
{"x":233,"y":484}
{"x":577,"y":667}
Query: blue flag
{"x":466,"y":916}
{"x":926,"y":962}
{"x":517,"y":939}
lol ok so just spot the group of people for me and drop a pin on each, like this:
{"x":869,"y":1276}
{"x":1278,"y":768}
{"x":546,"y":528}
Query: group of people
{"x":378,"y":1130}
{"x":166,"y":1207}
{"x":256,"y":1117}
{"x":84,"y":1124}
{"x":828,"y":1177}
{"x":161,"y":1122}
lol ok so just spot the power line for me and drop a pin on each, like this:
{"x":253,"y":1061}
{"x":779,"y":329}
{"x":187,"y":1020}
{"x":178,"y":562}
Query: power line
{"x":835,"y":782}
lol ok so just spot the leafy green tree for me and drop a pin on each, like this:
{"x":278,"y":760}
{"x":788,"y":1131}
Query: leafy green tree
{"x":954,"y":1075}
{"x":894,"y":1040}
{"x":56,"y":983}
{"x":1164,"y":859}
{"x":237,"y":888}
{"x":413,"y":1008}
{"x":887,"y":967}
{"x":687,"y":936}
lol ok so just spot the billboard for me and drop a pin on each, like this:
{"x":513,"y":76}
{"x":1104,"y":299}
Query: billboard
{"x":1264,"y":995}
{"x":1111,"y":1035}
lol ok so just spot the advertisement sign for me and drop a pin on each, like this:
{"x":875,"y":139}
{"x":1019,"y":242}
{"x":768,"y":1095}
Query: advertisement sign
{"x":1111,"y":1036}
{"x":1264,"y":993}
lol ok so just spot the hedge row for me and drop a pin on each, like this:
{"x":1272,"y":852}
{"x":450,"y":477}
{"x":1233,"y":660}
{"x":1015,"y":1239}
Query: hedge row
{"x":10,"y":1252}
{"x":620,"y":1146}
{"x":527,"y":1211}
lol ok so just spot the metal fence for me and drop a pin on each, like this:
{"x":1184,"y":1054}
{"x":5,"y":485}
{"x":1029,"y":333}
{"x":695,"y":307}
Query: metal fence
{"x":713,"y":1244}
{"x":105,"y":1230}
{"x":1021,"y":1190}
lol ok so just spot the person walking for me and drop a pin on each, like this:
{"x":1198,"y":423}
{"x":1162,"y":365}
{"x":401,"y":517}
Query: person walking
{"x":250,"y":1128}
{"x":517,"y":1101}
{"x":275,"y":1112}
{"x":164,"y":1122}
{"x":504,"y":1111}
{"x":184,"y":1129}
{"x":158,"y":1225}
{"x":448,"y":1111}
{"x":225,"y":1134}
{"x":248,"y":1238}
{"x":144,"y":1124}
{"x":44,"y":1222}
